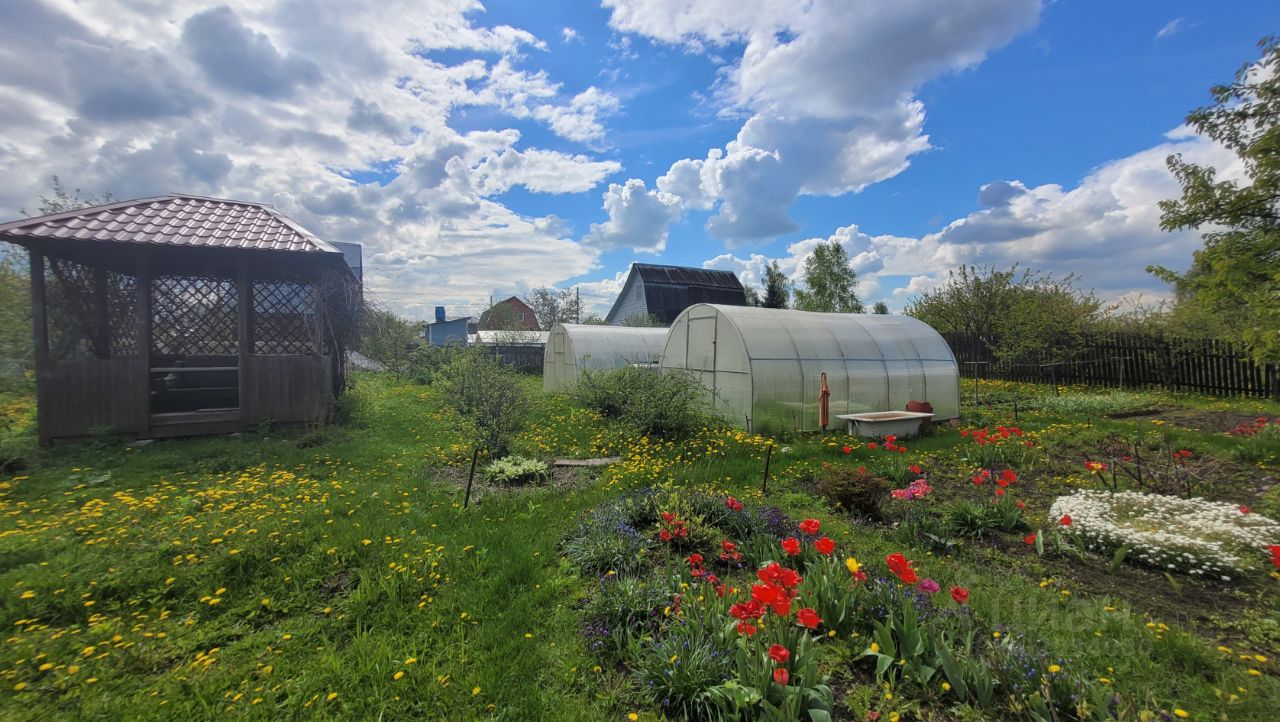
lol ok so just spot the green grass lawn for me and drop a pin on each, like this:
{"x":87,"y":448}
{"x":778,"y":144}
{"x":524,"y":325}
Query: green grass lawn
{"x":334,"y":573}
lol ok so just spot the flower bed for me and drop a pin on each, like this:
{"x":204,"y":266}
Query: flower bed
{"x":1194,"y":536}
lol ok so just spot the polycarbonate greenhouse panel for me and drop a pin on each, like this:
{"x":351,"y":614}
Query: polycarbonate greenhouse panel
{"x":765,"y":365}
{"x":575,"y":348}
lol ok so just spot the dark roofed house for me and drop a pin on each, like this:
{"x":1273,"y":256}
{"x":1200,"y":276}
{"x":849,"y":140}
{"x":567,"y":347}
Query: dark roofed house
{"x":180,"y":315}
{"x":664,"y":291}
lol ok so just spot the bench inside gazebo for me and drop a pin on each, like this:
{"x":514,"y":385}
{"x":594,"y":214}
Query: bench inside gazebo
{"x":180,"y":315}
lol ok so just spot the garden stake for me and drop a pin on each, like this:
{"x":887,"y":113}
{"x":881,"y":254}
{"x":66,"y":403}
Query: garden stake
{"x":764,"y":483}
{"x":475,"y":453}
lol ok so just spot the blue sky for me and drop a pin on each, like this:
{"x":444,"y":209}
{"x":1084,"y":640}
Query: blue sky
{"x":486,"y":149}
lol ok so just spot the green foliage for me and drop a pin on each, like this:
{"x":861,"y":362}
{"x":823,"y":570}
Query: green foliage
{"x":516,"y":470}
{"x":16,"y":350}
{"x":970,"y":518}
{"x":1235,"y":278}
{"x":777,"y":289}
{"x":626,"y":609}
{"x":676,"y":668}
{"x":610,"y":539}
{"x":553,"y":305}
{"x":829,"y":281}
{"x":490,"y":395}
{"x":389,"y":339}
{"x":424,"y":362}
{"x":643,"y":320}
{"x":857,"y":491}
{"x":669,"y":403}
{"x":1021,"y":316}
{"x":68,"y":200}
{"x":1091,"y":405}
{"x":880,"y":308}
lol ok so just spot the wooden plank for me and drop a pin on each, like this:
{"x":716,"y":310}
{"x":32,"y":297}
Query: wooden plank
{"x":244,"y":340}
{"x":84,"y":395}
{"x":144,"y":344}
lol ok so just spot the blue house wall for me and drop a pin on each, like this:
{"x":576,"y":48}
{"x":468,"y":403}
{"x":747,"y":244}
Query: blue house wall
{"x":442,"y":333}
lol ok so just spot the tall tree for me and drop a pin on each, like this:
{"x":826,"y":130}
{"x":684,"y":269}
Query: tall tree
{"x":881,"y":308}
{"x":388,"y":338}
{"x":1235,"y":277}
{"x":1021,"y":316}
{"x":751,"y":295}
{"x":829,"y":281}
{"x":777,"y":289}
{"x":554,"y":305}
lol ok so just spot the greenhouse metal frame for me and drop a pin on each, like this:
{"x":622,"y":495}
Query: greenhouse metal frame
{"x":573,"y":348}
{"x":764,"y":366}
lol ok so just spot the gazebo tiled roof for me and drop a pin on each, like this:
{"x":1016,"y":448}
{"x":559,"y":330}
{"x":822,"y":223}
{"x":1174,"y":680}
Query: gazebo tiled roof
{"x":177,"y":220}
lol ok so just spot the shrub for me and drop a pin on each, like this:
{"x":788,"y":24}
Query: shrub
{"x":491,"y":396}
{"x":857,"y":491}
{"x":669,"y":404}
{"x":1194,"y":536}
{"x":516,"y":470}
{"x":425,"y":362}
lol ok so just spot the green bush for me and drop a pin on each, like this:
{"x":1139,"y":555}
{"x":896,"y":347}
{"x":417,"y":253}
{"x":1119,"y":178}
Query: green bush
{"x":857,"y":491}
{"x":489,"y":395}
{"x":668,"y":403}
{"x":516,"y":470}
{"x":425,"y":362}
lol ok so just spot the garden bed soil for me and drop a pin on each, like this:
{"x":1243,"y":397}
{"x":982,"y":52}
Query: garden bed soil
{"x":1208,"y":421}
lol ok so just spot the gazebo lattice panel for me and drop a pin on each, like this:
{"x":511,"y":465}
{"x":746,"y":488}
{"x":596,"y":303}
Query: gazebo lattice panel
{"x":81,"y":325}
{"x":122,"y":313}
{"x":283,"y":318}
{"x":193,"y":315}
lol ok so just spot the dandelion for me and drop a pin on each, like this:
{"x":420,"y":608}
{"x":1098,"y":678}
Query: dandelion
{"x":399,"y":675}
{"x":331,"y":696}
{"x":1054,"y":668}
{"x":1179,"y":713}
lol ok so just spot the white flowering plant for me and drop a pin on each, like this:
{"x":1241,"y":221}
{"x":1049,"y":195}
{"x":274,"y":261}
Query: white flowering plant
{"x":1208,"y":539}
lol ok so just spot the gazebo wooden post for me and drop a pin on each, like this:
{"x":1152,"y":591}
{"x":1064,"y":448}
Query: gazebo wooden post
{"x":244,"y":335}
{"x":144,"y":343}
{"x":40,"y":338}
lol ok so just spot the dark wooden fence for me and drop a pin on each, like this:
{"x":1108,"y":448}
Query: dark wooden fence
{"x":525,"y":357}
{"x":1130,"y":360}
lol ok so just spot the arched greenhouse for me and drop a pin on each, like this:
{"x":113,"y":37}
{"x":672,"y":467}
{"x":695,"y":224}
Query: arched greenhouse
{"x":764,"y":365}
{"x":573,"y":348}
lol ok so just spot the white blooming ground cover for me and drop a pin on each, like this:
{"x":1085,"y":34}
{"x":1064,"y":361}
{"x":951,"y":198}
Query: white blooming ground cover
{"x":1194,"y":536}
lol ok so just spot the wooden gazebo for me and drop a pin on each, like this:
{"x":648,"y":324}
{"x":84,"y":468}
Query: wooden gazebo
{"x":180,"y":315}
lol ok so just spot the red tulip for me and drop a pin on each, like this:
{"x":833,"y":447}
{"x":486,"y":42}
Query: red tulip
{"x":810,"y":526}
{"x":1065,"y":520}
{"x":781,"y":676}
{"x":808,"y":618}
{"x":1029,"y":539}
{"x":1275,"y":555}
{"x":779,"y":654}
{"x":791,"y":546}
{"x":960,"y":594}
{"x":847,"y":449}
{"x":825,"y":545}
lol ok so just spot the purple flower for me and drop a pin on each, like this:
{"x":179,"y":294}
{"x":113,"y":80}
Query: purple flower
{"x":928,"y":585}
